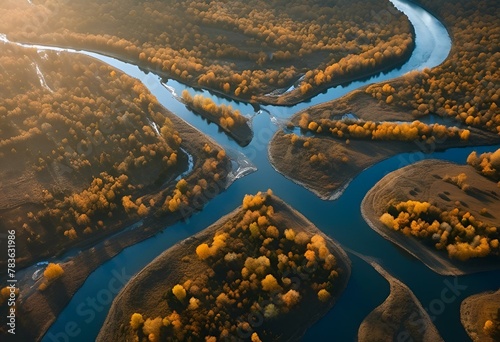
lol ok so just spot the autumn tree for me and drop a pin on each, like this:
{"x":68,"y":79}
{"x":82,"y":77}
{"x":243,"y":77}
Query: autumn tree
{"x":53,"y":271}
{"x":136,"y":320}
{"x":179,"y":292}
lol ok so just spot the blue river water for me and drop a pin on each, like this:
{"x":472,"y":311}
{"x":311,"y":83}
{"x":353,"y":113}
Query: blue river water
{"x":340,"y":219}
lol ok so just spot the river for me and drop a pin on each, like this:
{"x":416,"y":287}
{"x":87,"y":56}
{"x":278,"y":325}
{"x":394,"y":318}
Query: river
{"x":340,"y":219}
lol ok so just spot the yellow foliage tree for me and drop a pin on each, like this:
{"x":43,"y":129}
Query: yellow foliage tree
{"x":313,"y":126}
{"x":272,"y":231}
{"x":255,"y":337}
{"x":269,"y":283}
{"x":253,"y":202}
{"x":291,"y":298}
{"x":489,"y":327}
{"x":142,"y":210}
{"x":388,"y":220}
{"x":203,"y":251}
{"x":290,"y":234}
{"x":136,"y":321}
{"x":53,"y":271}
{"x":182,"y":185}
{"x":179,"y":292}
{"x":323,"y":295}
{"x":152,"y":328}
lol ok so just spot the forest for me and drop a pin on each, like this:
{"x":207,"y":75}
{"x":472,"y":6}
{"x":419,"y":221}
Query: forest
{"x":244,"y":50}
{"x":465,"y":87}
{"x":249,"y":275}
{"x":86,"y":151}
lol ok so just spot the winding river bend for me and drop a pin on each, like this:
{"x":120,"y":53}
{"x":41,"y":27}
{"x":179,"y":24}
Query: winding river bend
{"x":341,"y":219}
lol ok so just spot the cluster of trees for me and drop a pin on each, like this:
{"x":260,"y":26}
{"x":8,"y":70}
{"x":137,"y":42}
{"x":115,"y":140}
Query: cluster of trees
{"x":252,"y":269}
{"x":246,"y":49}
{"x":359,"y":129}
{"x":365,"y":62}
{"x":225,"y":116}
{"x":189,"y":195}
{"x":88,"y":149}
{"x":458,"y":180}
{"x":88,"y":210}
{"x":109,"y":133}
{"x":488,"y":164}
{"x":51,"y":273}
{"x":465,"y":86}
{"x":458,"y":232}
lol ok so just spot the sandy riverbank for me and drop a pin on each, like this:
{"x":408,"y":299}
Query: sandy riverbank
{"x":476,"y":310}
{"x":400,"y":317}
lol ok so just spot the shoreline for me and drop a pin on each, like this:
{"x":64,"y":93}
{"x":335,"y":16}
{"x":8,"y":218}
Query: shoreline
{"x":322,"y":196}
{"x":325,"y":196}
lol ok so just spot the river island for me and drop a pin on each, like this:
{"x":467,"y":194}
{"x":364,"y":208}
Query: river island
{"x":261,"y":272}
{"x":230,"y":120}
{"x":443,"y":213}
